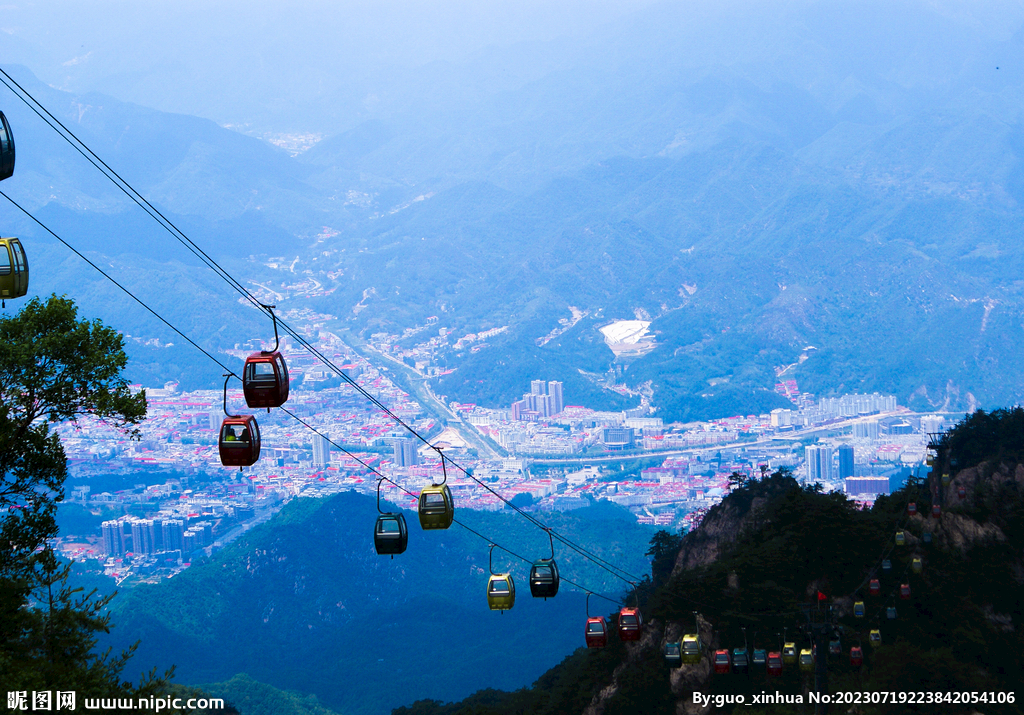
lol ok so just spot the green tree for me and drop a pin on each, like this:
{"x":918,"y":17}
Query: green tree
{"x":53,"y":368}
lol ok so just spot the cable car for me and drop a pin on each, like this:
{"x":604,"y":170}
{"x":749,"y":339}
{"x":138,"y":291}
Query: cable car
{"x":856,"y":656}
{"x":961,"y":492}
{"x":789,"y":656}
{"x":13,"y":269}
{"x":265,"y":375}
{"x":544,"y":575}
{"x":501,"y":588}
{"x":936,"y":511}
{"x":673,"y":654}
{"x":6,"y":149}
{"x":760,"y":658}
{"x":631,"y":624}
{"x":945,"y":480}
{"x":739,"y":661}
{"x":774,"y":664}
{"x":691,"y":649}
{"x":806,"y":659}
{"x":239,"y":441}
{"x":835,"y":647}
{"x":858,"y":609}
{"x":501,"y":592}
{"x":874,"y":587}
{"x":905,"y":591}
{"x":597,"y":632}
{"x":875,"y":637}
{"x":437,"y":507}
{"x":901,"y":538}
{"x":911,"y":508}
{"x":886,"y":564}
{"x":239,"y":437}
{"x":390,"y":534}
{"x":890,"y":613}
{"x":722,"y":661}
{"x":926,"y":537}
{"x":916,"y":565}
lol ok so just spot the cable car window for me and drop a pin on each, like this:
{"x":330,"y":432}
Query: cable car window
{"x":235,"y":433}
{"x":499,"y":586}
{"x":262,"y":372}
{"x":629,"y":620}
{"x":434,"y":499}
{"x":5,"y":261}
{"x":388,"y":526}
{"x":282,"y":368}
{"x":20,"y":262}
{"x":595,"y":628}
{"x":4,"y":140}
{"x":542,"y":571}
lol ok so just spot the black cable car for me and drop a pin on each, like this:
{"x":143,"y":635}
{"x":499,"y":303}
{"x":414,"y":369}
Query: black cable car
{"x":390,"y":535}
{"x":6,"y":149}
{"x":239,"y":437}
{"x":436,"y":506}
{"x":544,"y":579}
{"x":890,"y":613}
{"x":13,"y":269}
{"x":265,"y":379}
{"x":886,"y":565}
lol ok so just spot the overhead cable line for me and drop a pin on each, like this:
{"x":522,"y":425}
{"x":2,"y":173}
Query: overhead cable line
{"x":39,"y":109}
{"x":368,"y":467}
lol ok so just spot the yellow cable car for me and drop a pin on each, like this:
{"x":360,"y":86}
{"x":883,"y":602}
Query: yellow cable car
{"x":691,"y":649}
{"x":901,"y":538}
{"x":13,"y":269}
{"x":806,"y":659}
{"x":501,"y":588}
{"x":436,"y":506}
{"x":789,"y":656}
{"x":875,"y":637}
{"x":945,"y":480}
{"x":858,"y":609}
{"x":916,"y":565}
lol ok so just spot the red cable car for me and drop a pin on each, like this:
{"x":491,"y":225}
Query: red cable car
{"x":936,"y":511}
{"x":722,"y":661}
{"x":905,"y":591}
{"x":774,"y":663}
{"x":856,"y":656}
{"x":239,"y":440}
{"x":631,"y":624}
{"x":911,"y":508}
{"x":265,"y":379}
{"x":961,"y":492}
{"x":597,"y":632}
{"x":874,"y":587}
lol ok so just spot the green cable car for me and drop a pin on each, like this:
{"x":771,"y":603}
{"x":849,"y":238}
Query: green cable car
{"x":13,"y":269}
{"x":436,"y":506}
{"x":673,"y":654}
{"x":501,"y":588}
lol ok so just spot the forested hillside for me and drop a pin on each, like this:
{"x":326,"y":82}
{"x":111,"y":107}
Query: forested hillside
{"x":775,"y":556}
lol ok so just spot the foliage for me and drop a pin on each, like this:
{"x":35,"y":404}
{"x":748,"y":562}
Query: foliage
{"x":53,"y":368}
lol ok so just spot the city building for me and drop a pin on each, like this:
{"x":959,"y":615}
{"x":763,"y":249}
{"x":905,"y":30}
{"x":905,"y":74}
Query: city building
{"x":819,"y":463}
{"x":321,"y":451}
{"x":113,"y":538}
{"x":845,"y":461}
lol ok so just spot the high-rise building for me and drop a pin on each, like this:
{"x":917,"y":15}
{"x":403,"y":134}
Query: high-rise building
{"x":405,"y":454}
{"x":555,"y":392}
{"x":140,"y":538}
{"x":321,"y":451}
{"x":172,"y":532}
{"x":538,"y":387}
{"x":113,"y":538}
{"x":845,"y":461}
{"x":866,"y":430}
{"x":819,"y":463}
